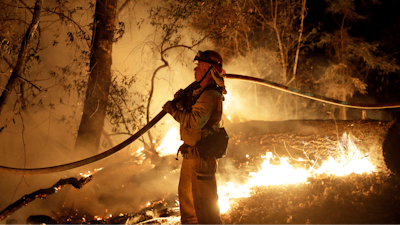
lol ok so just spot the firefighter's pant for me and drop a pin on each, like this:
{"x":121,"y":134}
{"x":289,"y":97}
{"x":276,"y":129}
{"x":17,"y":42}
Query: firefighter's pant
{"x":198,"y":198}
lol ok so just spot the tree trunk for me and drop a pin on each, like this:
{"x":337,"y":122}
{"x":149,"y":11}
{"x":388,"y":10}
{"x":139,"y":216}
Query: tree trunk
{"x":391,"y":145}
{"x":94,"y":111}
{"x":23,"y":52}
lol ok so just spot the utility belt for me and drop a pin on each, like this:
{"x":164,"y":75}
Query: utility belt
{"x":186,"y":150}
{"x":205,"y":168}
{"x":214,"y":145}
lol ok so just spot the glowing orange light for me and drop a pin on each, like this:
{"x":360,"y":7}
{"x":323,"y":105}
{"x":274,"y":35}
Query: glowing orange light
{"x":98,"y":218}
{"x":170,"y":143}
{"x":351,"y":161}
{"x":90,"y":173}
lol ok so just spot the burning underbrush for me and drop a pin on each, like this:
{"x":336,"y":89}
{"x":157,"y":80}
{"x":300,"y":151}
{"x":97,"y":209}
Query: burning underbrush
{"x":288,"y":172}
{"x":284,"y":175}
{"x":355,"y":198}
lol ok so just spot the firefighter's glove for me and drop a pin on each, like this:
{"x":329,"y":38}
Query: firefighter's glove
{"x":180,"y":98}
{"x":170,"y":108}
{"x":179,"y":94}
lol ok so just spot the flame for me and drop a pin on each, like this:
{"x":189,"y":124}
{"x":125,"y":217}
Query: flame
{"x":168,"y":146}
{"x":170,"y":143}
{"x":352,"y":162}
{"x":230,"y":191}
{"x":227,"y":99}
{"x":88,"y":174}
{"x":230,"y":102}
{"x":275,"y":175}
{"x":349,"y":162}
{"x":139,"y":154}
{"x":98,"y":218}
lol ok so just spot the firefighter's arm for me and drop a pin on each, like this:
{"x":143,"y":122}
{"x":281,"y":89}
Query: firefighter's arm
{"x":201,"y":112}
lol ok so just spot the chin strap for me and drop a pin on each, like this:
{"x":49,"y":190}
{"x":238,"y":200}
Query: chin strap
{"x":205,"y":74}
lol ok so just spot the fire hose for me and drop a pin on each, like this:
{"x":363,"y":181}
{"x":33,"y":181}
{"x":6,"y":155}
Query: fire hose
{"x":311,"y":95}
{"x":68,"y":166}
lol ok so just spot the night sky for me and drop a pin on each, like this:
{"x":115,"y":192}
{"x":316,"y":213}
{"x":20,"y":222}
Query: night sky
{"x":381,"y":25}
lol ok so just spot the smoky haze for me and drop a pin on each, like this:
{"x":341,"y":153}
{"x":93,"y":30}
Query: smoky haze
{"x":45,"y":135}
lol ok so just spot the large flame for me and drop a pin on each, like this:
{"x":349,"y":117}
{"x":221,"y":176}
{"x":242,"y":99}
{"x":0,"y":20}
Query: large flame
{"x":170,"y":143}
{"x":351,"y":160}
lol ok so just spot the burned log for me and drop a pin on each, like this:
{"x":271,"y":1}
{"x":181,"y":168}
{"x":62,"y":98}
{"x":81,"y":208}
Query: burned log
{"x":311,"y":140}
{"x":391,"y":148}
{"x":42,"y":193}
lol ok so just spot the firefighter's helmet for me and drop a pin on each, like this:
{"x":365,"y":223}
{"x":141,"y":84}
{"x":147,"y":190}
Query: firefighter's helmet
{"x":211,"y":57}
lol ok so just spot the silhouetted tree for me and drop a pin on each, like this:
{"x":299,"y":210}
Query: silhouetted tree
{"x":97,"y":93}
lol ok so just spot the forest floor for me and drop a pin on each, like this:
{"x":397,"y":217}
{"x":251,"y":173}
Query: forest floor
{"x":352,"y":199}
{"x":368,"y":198}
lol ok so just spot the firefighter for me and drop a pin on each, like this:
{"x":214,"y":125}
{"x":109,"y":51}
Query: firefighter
{"x":199,"y":114}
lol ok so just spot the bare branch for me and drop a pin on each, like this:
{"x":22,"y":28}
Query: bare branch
{"x":22,"y":54}
{"x":120,"y":110}
{"x":29,"y":82}
{"x":123,"y":6}
{"x":42,"y":193}
{"x":303,"y":12}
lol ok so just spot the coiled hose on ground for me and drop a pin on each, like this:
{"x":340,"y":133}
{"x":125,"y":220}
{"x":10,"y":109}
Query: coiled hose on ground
{"x":68,"y":166}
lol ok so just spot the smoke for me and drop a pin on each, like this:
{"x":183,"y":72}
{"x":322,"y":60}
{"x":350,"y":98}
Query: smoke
{"x":248,"y":101}
{"x":45,"y":133}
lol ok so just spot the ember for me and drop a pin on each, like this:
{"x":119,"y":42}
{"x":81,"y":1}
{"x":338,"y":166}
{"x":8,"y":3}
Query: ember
{"x":353,"y":198}
{"x":351,"y":161}
{"x":298,"y":176}
{"x":316,"y":183}
{"x":88,"y":174}
{"x":340,"y":157}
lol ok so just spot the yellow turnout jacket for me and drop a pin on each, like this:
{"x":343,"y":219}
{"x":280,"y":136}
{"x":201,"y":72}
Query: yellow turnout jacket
{"x":203,"y":118}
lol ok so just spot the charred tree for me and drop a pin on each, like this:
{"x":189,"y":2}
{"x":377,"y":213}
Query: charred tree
{"x":42,"y":193}
{"x":94,"y":111}
{"x":391,"y":148}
